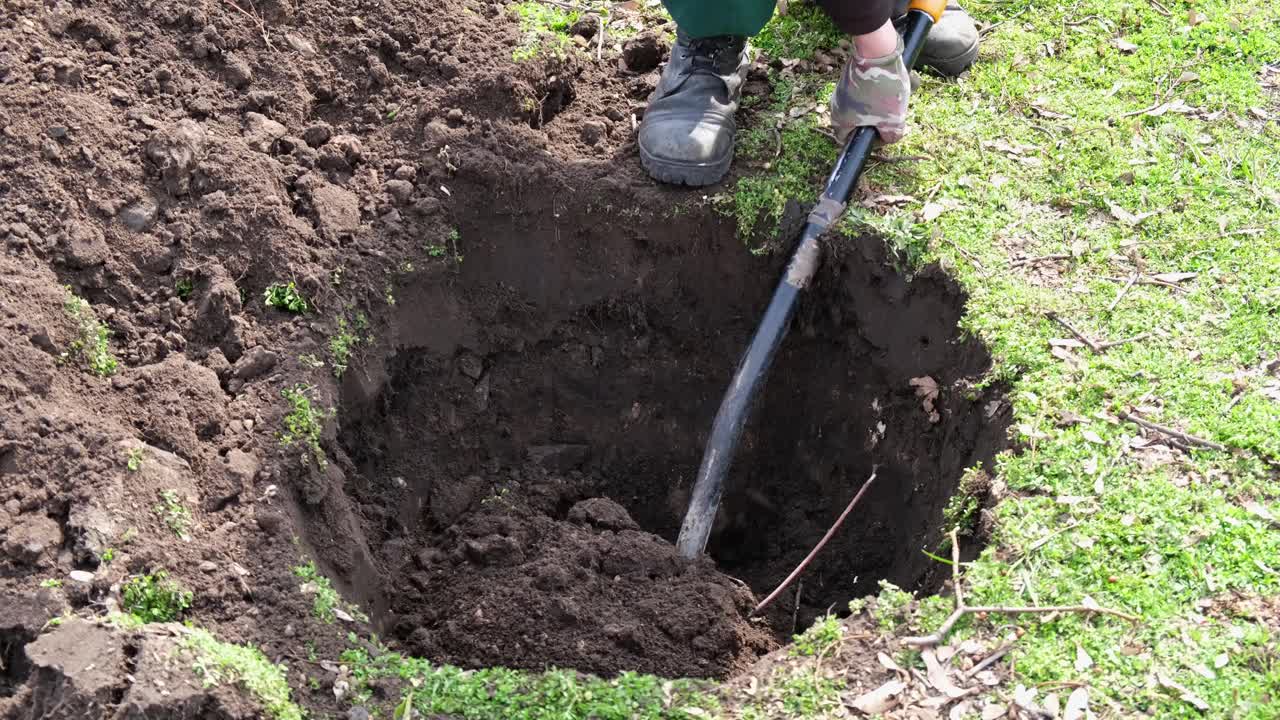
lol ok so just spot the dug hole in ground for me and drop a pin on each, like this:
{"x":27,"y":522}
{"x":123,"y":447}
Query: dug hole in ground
{"x":506,"y":345}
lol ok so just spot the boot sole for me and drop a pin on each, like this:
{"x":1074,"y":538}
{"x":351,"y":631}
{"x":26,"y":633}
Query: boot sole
{"x":691,"y":174}
{"x":953,"y":66}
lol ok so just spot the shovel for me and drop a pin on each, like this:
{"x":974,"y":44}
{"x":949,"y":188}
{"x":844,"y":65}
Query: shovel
{"x":755,"y":363}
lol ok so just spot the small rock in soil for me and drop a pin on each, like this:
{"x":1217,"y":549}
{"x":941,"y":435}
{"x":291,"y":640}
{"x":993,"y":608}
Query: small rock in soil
{"x":427,"y":558}
{"x":92,"y":529}
{"x":399,"y":190}
{"x":239,"y":74}
{"x":175,"y":151}
{"x":586,"y":26}
{"x":644,"y":52}
{"x":243,"y":467}
{"x":317,"y":134}
{"x":261,"y":132}
{"x":454,"y":116}
{"x":357,"y":713}
{"x":81,"y":576}
{"x":32,"y":539}
{"x":216,"y":309}
{"x":602,"y":513}
{"x":86,"y":246}
{"x":593,"y":131}
{"x":471,"y":365}
{"x":624,"y":635}
{"x":552,"y":578}
{"x":261,"y":99}
{"x":337,"y":211}
{"x":558,"y":458}
{"x":208,"y":566}
{"x":139,"y":215}
{"x":449,"y":500}
{"x":253,"y":363}
{"x":494,"y":550}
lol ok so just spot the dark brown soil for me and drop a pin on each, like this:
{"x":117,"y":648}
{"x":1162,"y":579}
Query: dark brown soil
{"x":509,"y":452}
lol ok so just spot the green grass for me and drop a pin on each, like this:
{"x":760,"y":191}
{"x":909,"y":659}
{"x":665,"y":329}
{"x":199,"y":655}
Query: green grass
{"x":448,"y":249}
{"x":133,"y":459}
{"x":175,"y":515}
{"x":184,"y":288}
{"x":92,"y":342}
{"x":344,"y":342}
{"x":327,"y":604}
{"x":820,"y":638}
{"x":1043,"y":150}
{"x":804,"y":30}
{"x":154,"y":598}
{"x":444,"y":690}
{"x":218,"y":662}
{"x":544,"y":29}
{"x":304,"y":423}
{"x":286,"y":297}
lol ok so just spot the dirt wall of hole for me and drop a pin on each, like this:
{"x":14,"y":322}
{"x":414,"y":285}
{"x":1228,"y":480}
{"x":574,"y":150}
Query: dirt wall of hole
{"x":519,"y":447}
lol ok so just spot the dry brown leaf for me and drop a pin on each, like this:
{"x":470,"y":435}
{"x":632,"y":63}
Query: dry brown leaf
{"x":1077,"y":706}
{"x":1065,"y":342}
{"x":1184,"y":694}
{"x":1194,"y":18}
{"x":927,"y":390}
{"x":1258,"y":509}
{"x":1066,"y":356}
{"x":881,"y":699}
{"x":875,"y":200}
{"x":1124,"y":46}
{"x":1174,"y":277}
{"x":993,"y":711}
{"x":301,"y":44}
{"x":938,"y":676}
{"x":1092,"y":437}
{"x":1128,"y":218}
{"x":931,"y":211}
{"x":888,"y":663}
{"x":1083,"y":661}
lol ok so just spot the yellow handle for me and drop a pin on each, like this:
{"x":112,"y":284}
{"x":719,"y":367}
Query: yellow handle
{"x":933,"y":8}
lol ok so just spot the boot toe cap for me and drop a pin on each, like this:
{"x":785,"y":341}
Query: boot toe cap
{"x":686,"y":140}
{"x":952,"y":45}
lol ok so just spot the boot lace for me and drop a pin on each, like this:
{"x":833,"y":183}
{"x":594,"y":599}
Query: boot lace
{"x":709,"y":56}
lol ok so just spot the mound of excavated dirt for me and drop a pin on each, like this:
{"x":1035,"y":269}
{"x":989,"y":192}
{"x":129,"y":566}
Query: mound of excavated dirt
{"x":538,"y":342}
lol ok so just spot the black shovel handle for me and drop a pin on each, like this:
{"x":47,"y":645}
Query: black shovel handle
{"x":726,"y":431}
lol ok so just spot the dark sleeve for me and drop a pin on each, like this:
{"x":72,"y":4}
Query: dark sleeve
{"x":858,"y":17}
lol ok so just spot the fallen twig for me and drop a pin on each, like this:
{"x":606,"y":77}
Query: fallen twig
{"x":961,"y":609}
{"x":1187,"y":438}
{"x":1123,"y":291}
{"x":937,"y":637}
{"x":812,"y":553}
{"x":968,"y":255}
{"x":257,"y":20}
{"x":1160,"y":8}
{"x":600,"y":37}
{"x":989,"y":660}
{"x":1122,"y":341}
{"x":1088,"y":341}
{"x":1040,"y":259}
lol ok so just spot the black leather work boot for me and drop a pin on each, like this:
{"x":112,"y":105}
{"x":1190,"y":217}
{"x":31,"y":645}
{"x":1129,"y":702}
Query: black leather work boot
{"x":686,"y":136}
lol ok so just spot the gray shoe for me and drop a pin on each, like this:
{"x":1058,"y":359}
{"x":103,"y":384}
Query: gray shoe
{"x":686,"y":136}
{"x":952,"y":45}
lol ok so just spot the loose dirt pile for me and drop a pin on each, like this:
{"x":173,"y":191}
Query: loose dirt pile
{"x":536,"y":338}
